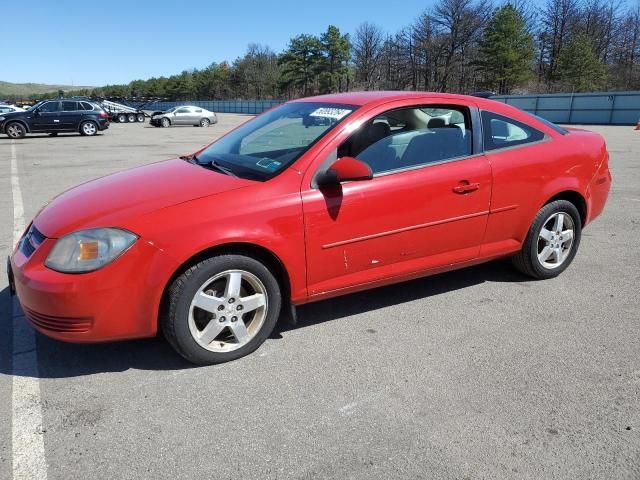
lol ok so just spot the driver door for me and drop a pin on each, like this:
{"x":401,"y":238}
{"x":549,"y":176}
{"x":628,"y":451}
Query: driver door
{"x":47,"y":117}
{"x":425,"y":208}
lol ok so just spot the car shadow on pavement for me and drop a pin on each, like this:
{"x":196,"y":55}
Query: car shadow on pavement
{"x":499,"y":271}
{"x":62,"y":360}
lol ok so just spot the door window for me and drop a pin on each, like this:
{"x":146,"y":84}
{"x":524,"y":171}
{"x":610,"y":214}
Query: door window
{"x":50,"y":107}
{"x":68,"y":106}
{"x":502,"y":132}
{"x":411,"y":137}
{"x":183,"y":110}
{"x":86,"y":106}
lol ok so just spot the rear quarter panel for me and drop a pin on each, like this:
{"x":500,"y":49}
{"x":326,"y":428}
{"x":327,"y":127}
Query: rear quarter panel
{"x":527,"y":177}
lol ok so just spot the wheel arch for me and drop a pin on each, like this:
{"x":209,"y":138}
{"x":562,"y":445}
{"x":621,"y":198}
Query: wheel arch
{"x":574,"y":197}
{"x":21,"y":122}
{"x":257,"y":252}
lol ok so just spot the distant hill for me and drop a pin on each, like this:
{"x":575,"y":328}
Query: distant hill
{"x":8,"y":89}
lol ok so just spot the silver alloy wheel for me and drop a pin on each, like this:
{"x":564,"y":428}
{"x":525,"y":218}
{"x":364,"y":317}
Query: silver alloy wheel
{"x":140,"y":118}
{"x":204,"y":122}
{"x":166,"y":122}
{"x":131,"y":118}
{"x":122,"y":118}
{"x":228,"y":310}
{"x":14,"y":130}
{"x":555,"y":240}
{"x":89,"y":128}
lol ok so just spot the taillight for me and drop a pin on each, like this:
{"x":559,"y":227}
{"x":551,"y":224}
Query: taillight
{"x":104,"y":114}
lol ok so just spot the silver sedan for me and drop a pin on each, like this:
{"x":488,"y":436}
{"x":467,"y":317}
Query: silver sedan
{"x":184,"y":115}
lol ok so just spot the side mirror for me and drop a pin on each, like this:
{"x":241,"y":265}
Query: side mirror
{"x":345,"y":169}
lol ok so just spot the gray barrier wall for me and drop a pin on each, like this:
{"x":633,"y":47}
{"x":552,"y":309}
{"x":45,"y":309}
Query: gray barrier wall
{"x":605,"y":108}
{"x":615,"y":108}
{"x":220,"y":106}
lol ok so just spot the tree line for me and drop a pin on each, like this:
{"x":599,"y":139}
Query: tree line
{"x":457,"y":46}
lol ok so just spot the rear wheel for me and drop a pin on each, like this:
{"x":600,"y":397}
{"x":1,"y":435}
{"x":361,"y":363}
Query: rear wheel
{"x":15,"y":130}
{"x":204,"y":122}
{"x":131,"y":118}
{"x":165,"y":122}
{"x":88,"y":128}
{"x":122,"y":118}
{"x":552,"y":241}
{"x":221,"y":309}
{"x":140,"y":117}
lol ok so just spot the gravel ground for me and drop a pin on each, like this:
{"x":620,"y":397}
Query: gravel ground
{"x":479,"y":373}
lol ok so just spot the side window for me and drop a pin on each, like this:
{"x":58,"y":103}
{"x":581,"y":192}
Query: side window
{"x":68,"y":106}
{"x":410,"y":137}
{"x":50,"y":107}
{"x":501,"y":132}
{"x":86,"y":106}
{"x":183,"y":110}
{"x":198,"y":110}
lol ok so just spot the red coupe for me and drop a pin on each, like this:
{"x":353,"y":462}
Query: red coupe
{"x":316,"y":198}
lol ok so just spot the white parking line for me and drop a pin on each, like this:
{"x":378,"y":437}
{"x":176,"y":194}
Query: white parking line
{"x":27,"y":433}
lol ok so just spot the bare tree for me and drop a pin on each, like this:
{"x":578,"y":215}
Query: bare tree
{"x":368,"y":42}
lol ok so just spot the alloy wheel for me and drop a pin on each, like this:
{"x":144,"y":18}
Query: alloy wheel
{"x":14,"y":131}
{"x":555,"y":240}
{"x":228,"y":311}
{"x":89,"y":128}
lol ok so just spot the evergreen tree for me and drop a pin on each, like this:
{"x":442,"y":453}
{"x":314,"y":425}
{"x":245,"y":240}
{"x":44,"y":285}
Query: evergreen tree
{"x":336,"y":49}
{"x":301,"y":63}
{"x":506,"y":51}
{"x":579,"y":67}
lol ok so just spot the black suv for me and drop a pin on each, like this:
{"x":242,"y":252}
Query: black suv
{"x":55,"y":116}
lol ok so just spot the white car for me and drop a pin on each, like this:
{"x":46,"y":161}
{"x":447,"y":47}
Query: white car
{"x":184,"y":115}
{"x":10,"y":109}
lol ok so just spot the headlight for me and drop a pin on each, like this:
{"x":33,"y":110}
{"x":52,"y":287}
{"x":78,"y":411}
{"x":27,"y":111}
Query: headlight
{"x":88,"y":250}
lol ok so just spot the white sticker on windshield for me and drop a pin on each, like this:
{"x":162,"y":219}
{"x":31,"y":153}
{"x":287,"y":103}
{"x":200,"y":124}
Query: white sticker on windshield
{"x":335,"y":113}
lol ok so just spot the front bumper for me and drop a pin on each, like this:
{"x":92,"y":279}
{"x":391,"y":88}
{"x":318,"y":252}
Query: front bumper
{"x":119,"y":301}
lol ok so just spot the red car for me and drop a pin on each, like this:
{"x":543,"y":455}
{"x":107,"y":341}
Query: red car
{"x":316,"y":198}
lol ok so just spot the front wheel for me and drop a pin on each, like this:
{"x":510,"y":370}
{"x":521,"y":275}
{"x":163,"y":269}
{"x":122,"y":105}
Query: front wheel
{"x":165,"y":122}
{"x":221,"y":309}
{"x":552,"y":241}
{"x":15,"y":130}
{"x":204,"y":122}
{"x":88,"y":129}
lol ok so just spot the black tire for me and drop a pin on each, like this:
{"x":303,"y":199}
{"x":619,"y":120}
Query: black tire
{"x":165,"y":122}
{"x":88,"y":128}
{"x":53,"y":134}
{"x":122,"y":118}
{"x":527,"y":262}
{"x":204,"y":122}
{"x":131,"y":118}
{"x":174,"y":317}
{"x":15,"y":130}
{"x":140,"y":118}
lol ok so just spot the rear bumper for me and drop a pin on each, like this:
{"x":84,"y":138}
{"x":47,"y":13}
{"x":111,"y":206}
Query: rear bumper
{"x":119,"y":301}
{"x":599,"y":192}
{"x":103,"y":124}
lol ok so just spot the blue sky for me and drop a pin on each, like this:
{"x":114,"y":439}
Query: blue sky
{"x":116,"y":41}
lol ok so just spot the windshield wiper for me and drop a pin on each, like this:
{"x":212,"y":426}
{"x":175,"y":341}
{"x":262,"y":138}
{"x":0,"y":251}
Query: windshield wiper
{"x":212,"y":163}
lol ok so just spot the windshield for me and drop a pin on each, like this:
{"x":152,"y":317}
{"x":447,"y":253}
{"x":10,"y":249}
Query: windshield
{"x":36,"y":105}
{"x":263,"y":147}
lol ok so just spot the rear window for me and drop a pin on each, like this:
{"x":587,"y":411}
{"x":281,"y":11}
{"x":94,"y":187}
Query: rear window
{"x":549,"y":124}
{"x":502,"y":132}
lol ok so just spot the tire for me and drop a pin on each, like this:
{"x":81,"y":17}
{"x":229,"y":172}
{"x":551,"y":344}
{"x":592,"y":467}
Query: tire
{"x":204,"y":122}
{"x":544,"y":241}
{"x":131,"y":118}
{"x":122,"y":118}
{"x":140,"y":118}
{"x":88,"y":128}
{"x":53,"y":134}
{"x":165,"y":122}
{"x":218,"y":333}
{"x":15,"y":130}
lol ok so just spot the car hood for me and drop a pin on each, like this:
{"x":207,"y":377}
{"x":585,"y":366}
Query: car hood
{"x":116,"y":200}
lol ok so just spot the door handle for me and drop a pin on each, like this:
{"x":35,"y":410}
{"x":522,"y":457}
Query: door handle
{"x":466,"y":187}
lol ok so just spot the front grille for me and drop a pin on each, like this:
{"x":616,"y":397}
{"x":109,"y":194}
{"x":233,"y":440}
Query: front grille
{"x":59,"y":324}
{"x":31,"y":241}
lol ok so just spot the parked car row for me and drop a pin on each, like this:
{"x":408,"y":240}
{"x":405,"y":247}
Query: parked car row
{"x":88,"y":118}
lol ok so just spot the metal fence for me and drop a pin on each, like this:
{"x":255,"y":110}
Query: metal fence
{"x":606,"y":108}
{"x":220,"y":106}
